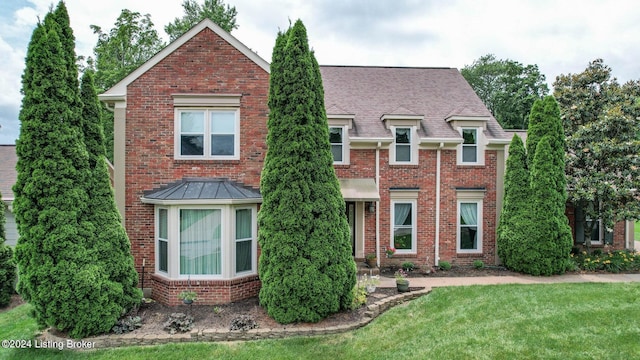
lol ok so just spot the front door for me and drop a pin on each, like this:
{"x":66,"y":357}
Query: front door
{"x":351,"y":219}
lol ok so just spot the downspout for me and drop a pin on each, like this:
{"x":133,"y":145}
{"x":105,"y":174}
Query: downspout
{"x":378,"y":204}
{"x":436,"y":259}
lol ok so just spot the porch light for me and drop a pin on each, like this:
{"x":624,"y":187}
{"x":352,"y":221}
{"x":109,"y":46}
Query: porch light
{"x":371,"y":207}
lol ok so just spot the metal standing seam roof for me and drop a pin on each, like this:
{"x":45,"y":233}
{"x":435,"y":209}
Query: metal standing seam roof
{"x":203,"y":189}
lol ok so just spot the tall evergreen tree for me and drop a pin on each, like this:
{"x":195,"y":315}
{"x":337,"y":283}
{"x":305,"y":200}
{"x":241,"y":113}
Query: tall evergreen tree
{"x":551,"y":240}
{"x":306,"y":267}
{"x":7,"y":264}
{"x":545,"y":120}
{"x":516,"y":199}
{"x":110,"y":243}
{"x":60,"y":275}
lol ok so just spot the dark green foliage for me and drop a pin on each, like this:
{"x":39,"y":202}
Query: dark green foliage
{"x":225,"y":17}
{"x":516,"y":198}
{"x":546,"y":247}
{"x":64,"y":274}
{"x":306,"y":267}
{"x":7,"y":264}
{"x":110,"y":243}
{"x":545,"y":121}
{"x":507,"y":88}
{"x":445,"y":265}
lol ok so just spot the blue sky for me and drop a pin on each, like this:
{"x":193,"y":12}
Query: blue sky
{"x":560,"y":36}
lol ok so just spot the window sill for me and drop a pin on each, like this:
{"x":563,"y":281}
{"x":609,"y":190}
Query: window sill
{"x":205,"y":161}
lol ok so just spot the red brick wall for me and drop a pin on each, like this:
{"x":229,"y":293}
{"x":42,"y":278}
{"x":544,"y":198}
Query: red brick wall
{"x":205,"y":64}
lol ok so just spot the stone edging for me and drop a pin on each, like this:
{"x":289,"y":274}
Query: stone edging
{"x":207,"y":335}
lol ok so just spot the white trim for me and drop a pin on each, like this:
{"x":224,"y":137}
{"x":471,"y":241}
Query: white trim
{"x":479,"y":216}
{"x":119,"y":90}
{"x":227,"y":242}
{"x":413,"y":146}
{"x":414,"y":224}
{"x":207,"y":134}
{"x":479,"y":148}
{"x":345,"y":144}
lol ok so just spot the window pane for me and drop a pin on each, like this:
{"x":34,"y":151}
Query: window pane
{"x":200,"y":252}
{"x":222,"y":144}
{"x":402,"y":214}
{"x":223,"y":122}
{"x":243,"y":256}
{"x":336,"y":150}
{"x":468,"y":238}
{"x":469,"y":136}
{"x":191,"y":145}
{"x":402,"y":238}
{"x":162,"y":256}
{"x":468,"y":214}
{"x":243,"y":224}
{"x":162,"y":223}
{"x":469,"y":153}
{"x":403,"y":136}
{"x":335,"y":135}
{"x":403,"y":153}
{"x":192,"y":122}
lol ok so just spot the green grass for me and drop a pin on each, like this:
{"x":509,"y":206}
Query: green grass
{"x":549,"y":321}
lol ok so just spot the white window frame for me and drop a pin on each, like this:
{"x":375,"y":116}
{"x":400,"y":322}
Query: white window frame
{"x":235,"y":240}
{"x":207,"y":133}
{"x":344,"y":144}
{"x":227,"y":242}
{"x":414,"y":224}
{"x":479,"y":206}
{"x":160,"y":239}
{"x":413,"y":146}
{"x":478,"y":146}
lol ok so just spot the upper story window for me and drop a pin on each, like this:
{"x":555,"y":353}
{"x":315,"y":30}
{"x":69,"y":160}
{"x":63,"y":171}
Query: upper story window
{"x":337,"y":140}
{"x":207,"y":126}
{"x":403,"y":144}
{"x":208,"y":134}
{"x":404,"y":128}
{"x":470,"y":145}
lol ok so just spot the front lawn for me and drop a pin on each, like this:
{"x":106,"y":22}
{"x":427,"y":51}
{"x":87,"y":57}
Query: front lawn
{"x":559,"y":321}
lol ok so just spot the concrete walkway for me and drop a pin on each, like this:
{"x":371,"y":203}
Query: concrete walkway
{"x":430,"y":282}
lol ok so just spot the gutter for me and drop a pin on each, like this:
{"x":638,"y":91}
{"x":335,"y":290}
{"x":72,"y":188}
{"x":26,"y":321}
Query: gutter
{"x":378,"y":203}
{"x":436,"y":259}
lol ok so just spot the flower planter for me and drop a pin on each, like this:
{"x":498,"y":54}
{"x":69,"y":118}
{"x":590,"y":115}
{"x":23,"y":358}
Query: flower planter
{"x":372,"y":262}
{"x":187,"y":301}
{"x":371,"y":289}
{"x":402,"y":285}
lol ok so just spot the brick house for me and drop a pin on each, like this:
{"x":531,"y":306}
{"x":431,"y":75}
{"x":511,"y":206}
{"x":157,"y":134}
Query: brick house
{"x":419,"y":157}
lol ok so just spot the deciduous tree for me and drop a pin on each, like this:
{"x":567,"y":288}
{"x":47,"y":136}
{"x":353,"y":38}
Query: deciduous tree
{"x":223,"y":16}
{"x":306,"y":267}
{"x":508,"y":88}
{"x":603,"y":146}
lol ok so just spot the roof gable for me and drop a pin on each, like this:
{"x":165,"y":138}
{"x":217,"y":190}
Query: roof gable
{"x":119,"y":90}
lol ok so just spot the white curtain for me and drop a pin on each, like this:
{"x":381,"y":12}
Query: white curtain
{"x":200,"y":242}
{"x":401,"y":213}
{"x":469,"y":214}
{"x":244,"y":240}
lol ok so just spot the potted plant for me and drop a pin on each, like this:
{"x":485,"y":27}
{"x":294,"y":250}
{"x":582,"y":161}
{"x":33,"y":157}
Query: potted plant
{"x":370,"y":282}
{"x":389,"y":251}
{"x":371,"y":260}
{"x":188,"y":296}
{"x":401,"y":280}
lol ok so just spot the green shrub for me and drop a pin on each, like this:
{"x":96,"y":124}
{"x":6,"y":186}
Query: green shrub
{"x":445,"y":265}
{"x":178,"y":322}
{"x":359,"y":297}
{"x":478,"y":264}
{"x":7,"y":273}
{"x":408,"y":266}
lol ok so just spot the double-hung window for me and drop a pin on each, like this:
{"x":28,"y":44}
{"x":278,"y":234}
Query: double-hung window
{"x":163,"y":240}
{"x":403,"y":145}
{"x":337,"y":140}
{"x":403,"y":232}
{"x":208,"y":134}
{"x":244,"y":243}
{"x":599,"y":234}
{"x":469,"y":220}
{"x":470,"y":145}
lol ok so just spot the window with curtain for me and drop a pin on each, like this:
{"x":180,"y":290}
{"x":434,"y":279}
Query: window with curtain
{"x":337,"y":145}
{"x":163,"y":241}
{"x":200,"y":242}
{"x":244,"y":240}
{"x":468,"y":226}
{"x":403,"y":144}
{"x":403,"y":226}
{"x":470,"y":145}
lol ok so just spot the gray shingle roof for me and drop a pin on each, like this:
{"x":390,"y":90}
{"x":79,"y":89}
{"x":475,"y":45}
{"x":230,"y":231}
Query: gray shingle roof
{"x":8,"y":174}
{"x":203,"y":188}
{"x":436,"y":93}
